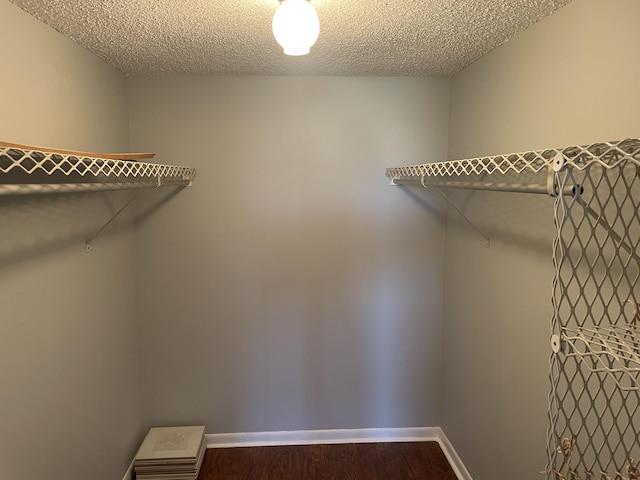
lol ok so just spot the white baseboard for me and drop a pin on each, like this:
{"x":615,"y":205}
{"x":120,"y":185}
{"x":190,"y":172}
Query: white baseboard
{"x":367,"y":435}
{"x":454,"y":460}
{"x":316,"y":437}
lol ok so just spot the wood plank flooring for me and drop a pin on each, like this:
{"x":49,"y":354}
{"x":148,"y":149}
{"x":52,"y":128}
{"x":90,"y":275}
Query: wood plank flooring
{"x":363,"y":461}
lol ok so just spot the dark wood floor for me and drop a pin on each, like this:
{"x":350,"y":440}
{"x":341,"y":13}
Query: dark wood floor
{"x":364,"y":461}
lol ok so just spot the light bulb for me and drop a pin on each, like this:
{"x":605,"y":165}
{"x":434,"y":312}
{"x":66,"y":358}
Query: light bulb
{"x":296,"y":26}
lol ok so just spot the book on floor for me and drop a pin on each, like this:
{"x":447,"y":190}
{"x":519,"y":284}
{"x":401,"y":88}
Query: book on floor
{"x":171,"y":453}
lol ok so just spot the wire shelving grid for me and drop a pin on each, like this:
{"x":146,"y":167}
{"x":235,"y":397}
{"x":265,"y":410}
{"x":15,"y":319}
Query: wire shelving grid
{"x":25,"y":171}
{"x":595,"y":364}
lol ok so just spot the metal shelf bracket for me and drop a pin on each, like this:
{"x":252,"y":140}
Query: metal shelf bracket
{"x":450,"y":203}
{"x":91,"y":238}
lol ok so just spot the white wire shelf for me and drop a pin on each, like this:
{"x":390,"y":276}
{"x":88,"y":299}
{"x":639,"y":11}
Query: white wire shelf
{"x":608,"y":155}
{"x":27,"y":171}
{"x":612,"y":349}
{"x":473,"y":173}
{"x":501,"y":164}
{"x":605,"y":154}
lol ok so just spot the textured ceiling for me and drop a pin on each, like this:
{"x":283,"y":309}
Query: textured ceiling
{"x":357,"y":37}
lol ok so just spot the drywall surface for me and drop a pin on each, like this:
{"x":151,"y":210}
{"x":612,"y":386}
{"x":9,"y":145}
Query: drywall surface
{"x":291,"y":287}
{"x":567,"y":80}
{"x":69,"y":378}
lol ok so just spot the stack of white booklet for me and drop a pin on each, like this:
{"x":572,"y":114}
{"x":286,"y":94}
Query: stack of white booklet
{"x":171,"y":453}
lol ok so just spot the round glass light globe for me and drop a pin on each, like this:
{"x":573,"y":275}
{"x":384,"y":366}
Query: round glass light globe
{"x":296,"y":26}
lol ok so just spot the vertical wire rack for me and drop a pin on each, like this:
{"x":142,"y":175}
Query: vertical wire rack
{"x":594,"y":400}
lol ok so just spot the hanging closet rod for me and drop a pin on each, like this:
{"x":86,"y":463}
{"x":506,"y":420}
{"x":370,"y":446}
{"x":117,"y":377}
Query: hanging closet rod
{"x":494,"y":187}
{"x":32,"y":188}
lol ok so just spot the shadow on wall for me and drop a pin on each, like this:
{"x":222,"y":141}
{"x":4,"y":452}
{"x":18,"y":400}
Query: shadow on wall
{"x":34,"y":225}
{"x":424,"y":197}
{"x":493,"y":214}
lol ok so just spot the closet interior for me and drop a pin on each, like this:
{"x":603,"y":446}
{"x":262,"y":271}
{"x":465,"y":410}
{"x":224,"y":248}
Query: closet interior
{"x":292,"y":289}
{"x":595,"y":337}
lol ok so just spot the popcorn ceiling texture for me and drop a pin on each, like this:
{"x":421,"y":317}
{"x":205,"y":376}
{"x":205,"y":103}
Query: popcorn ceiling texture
{"x":233,"y":37}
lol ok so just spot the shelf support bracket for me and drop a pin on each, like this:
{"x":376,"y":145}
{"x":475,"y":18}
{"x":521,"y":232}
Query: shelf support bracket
{"x":113,"y":217}
{"x":450,"y":203}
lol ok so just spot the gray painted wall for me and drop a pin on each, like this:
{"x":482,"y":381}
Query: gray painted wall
{"x":70,"y":403}
{"x":567,"y":80}
{"x":291,"y":287}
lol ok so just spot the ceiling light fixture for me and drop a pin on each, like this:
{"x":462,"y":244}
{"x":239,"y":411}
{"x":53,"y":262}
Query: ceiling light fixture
{"x":296,"y":26}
